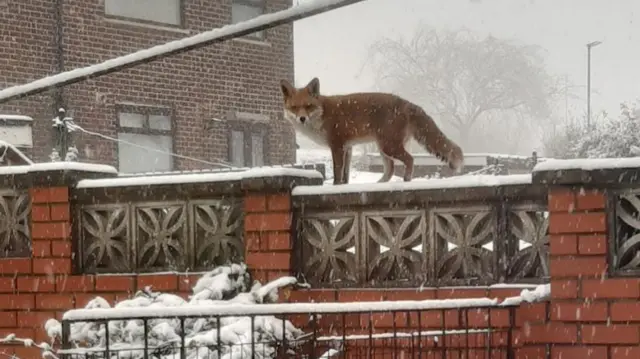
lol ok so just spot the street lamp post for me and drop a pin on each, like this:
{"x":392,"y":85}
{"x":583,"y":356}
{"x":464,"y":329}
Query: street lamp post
{"x":589,"y":47}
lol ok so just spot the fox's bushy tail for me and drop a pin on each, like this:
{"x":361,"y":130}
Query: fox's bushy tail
{"x":429,"y":135}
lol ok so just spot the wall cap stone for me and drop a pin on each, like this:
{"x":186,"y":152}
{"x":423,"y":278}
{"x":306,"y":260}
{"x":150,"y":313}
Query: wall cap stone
{"x":596,"y":172}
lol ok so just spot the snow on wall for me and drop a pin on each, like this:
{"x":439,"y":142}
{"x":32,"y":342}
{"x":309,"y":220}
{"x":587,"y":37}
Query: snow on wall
{"x":587,"y":164}
{"x":440,"y":183}
{"x":258,"y":172}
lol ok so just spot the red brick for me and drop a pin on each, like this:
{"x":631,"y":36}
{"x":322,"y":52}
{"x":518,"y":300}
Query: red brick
{"x":253,"y":241}
{"x":12,"y":266}
{"x":33,"y":319}
{"x":453,"y":293}
{"x":7,"y":284}
{"x":60,"y":212}
{"x":610,"y":334}
{"x":269,"y":261}
{"x":19,"y":333}
{"x":58,"y":194}
{"x":577,"y":266}
{"x":80,"y":283}
{"x":592,"y":311}
{"x":54,"y":301}
{"x":158,"y":282}
{"x":28,"y":352}
{"x":531,"y":313}
{"x":187,"y":281}
{"x":412,"y":294}
{"x":314,"y":296}
{"x":273,"y":275}
{"x":564,"y":288}
{"x":561,"y":200}
{"x":279,"y":241}
{"x":255,"y":203}
{"x":267,"y":222}
{"x":35,"y":284}
{"x":279,"y":202}
{"x":560,"y":223}
{"x":610,"y":288}
{"x":566,"y":352}
{"x":628,"y":311}
{"x":39,"y":195}
{"x":504,"y":292}
{"x":531,"y":352}
{"x":41,"y":248}
{"x":51,"y":230}
{"x":362,"y":295}
{"x":549,"y":333}
{"x":61,"y":248}
{"x":259,"y":275}
{"x":52,"y":266}
{"x":40,"y":213}
{"x":8,"y":319}
{"x":592,"y":245}
{"x":625,"y":352}
{"x":114,"y":283}
{"x":590,"y":200}
{"x":564,"y":244}
{"x":17,"y":301}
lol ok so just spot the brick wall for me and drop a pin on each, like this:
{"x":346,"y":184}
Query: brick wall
{"x":200,"y":85}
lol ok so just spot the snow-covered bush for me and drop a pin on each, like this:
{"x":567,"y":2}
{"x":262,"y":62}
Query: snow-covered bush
{"x":606,"y":137}
{"x":225,"y":285}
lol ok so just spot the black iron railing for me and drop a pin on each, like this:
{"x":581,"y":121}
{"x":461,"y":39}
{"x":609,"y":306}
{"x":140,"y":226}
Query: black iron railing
{"x":462,"y":328}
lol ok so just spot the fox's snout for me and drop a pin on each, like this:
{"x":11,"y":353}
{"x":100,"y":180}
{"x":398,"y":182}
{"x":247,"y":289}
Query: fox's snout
{"x":302,"y":119}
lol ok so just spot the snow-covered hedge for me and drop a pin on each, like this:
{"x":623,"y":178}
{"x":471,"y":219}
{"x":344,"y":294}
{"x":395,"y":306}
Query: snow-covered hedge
{"x":225,"y":285}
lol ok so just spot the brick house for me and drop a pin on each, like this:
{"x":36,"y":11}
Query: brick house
{"x":215,"y":104}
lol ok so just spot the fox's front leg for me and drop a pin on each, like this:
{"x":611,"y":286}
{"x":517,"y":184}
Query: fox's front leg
{"x":338,"y":157}
{"x":347,"y":165}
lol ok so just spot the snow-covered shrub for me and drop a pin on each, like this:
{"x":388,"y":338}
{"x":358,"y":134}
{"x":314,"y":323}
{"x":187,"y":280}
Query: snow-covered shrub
{"x":606,"y":137}
{"x":224,"y":285}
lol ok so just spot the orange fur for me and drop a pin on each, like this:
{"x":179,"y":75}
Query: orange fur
{"x":342,"y":121}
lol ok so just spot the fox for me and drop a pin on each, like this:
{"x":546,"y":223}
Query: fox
{"x":342,"y":121}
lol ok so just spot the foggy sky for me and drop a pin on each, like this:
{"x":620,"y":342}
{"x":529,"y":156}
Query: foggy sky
{"x":333,"y":45}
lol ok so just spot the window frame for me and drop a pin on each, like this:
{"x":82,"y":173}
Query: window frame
{"x":146,"y":110}
{"x":254,"y":36}
{"x":135,"y":20}
{"x":248,"y":128}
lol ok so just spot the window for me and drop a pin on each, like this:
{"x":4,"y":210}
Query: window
{"x":246,"y":145}
{"x":243,"y":10}
{"x":151,"y":130}
{"x":167,"y":12}
{"x":17,"y":131}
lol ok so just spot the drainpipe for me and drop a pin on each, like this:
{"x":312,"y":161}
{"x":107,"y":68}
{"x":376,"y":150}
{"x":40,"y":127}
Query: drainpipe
{"x":58,"y":98}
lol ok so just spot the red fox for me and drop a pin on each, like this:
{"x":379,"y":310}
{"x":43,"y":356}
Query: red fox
{"x":342,"y":121}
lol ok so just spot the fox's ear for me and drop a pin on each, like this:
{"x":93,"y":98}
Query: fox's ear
{"x":286,"y":88}
{"x":313,"y":87}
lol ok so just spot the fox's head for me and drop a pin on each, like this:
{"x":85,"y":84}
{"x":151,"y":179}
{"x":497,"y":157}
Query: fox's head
{"x":302,"y":106}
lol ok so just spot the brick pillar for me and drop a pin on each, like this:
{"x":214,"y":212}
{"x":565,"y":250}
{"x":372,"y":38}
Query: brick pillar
{"x":267,"y":233}
{"x":51,"y":231}
{"x":591,"y":314}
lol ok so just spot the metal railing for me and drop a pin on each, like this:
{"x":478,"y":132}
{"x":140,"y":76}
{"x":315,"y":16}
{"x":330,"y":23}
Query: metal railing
{"x":460,"y":328}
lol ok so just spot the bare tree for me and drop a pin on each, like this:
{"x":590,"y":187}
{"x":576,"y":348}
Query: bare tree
{"x":461,"y":79}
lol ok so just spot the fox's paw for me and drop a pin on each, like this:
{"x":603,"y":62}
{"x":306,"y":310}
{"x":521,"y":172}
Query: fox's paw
{"x":457,"y":165}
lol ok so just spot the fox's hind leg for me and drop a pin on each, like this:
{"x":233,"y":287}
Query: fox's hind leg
{"x":387,"y":163}
{"x":398,"y":152}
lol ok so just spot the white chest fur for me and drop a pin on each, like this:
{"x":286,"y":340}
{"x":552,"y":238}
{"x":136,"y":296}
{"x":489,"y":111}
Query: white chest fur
{"x":312,"y":128}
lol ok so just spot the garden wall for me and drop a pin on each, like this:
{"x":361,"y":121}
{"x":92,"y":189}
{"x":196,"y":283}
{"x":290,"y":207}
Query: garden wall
{"x":73,"y":232}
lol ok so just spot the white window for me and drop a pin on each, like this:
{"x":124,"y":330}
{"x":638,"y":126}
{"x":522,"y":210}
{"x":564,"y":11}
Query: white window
{"x":146,"y":139}
{"x":168,"y":12}
{"x":17,"y":130}
{"x":243,"y":10}
{"x":246,"y":146}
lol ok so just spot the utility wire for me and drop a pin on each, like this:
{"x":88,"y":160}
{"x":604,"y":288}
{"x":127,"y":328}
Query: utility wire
{"x":74,"y":127}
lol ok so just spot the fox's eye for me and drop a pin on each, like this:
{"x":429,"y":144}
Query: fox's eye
{"x":308,"y":107}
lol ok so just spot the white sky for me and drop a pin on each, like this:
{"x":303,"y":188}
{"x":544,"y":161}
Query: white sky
{"x":333,"y":46}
